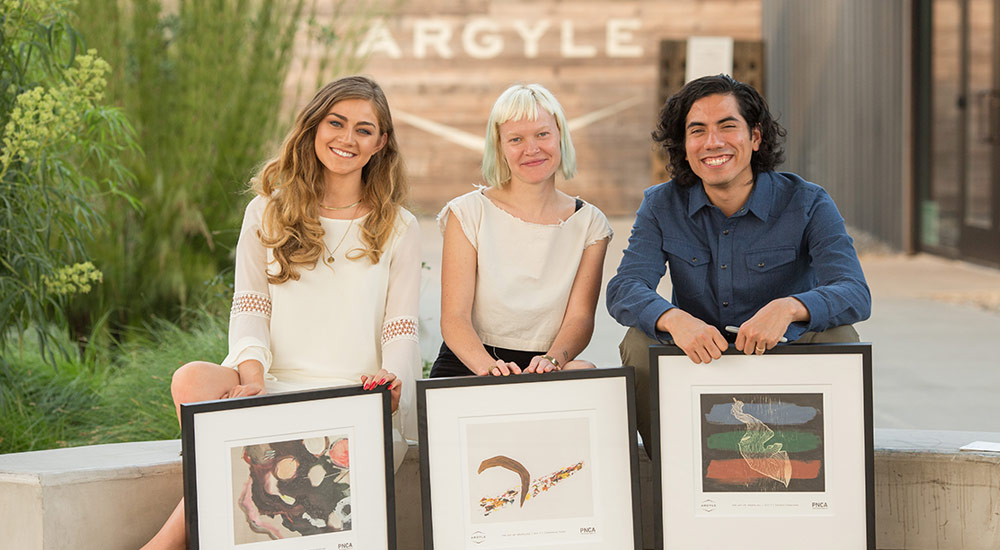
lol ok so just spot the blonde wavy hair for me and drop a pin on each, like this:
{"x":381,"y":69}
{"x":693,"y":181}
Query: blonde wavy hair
{"x":294,"y":184}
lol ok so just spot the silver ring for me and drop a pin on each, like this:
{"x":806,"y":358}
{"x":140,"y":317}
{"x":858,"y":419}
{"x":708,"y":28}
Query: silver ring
{"x":761,"y":350}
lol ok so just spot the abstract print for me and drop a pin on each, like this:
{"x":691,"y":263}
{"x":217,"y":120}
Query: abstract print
{"x":292,"y":488}
{"x":503,"y":456}
{"x":528,"y":489}
{"x":769,"y":442}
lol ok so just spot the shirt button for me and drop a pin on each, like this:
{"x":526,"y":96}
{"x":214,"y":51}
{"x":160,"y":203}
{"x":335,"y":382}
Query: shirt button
{"x":761,"y":264}
{"x":725,"y":232}
{"x":694,"y":260}
{"x":723,"y":266}
{"x":725,"y":304}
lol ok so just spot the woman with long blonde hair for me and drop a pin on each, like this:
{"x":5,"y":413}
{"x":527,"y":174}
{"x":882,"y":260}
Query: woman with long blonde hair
{"x":327,"y":270}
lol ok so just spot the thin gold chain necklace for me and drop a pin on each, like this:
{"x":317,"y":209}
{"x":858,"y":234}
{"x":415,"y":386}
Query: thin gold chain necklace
{"x":352,"y":205}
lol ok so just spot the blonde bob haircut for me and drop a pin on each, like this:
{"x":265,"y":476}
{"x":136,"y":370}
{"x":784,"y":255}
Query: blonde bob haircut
{"x":520,"y":102}
{"x":294,"y":184}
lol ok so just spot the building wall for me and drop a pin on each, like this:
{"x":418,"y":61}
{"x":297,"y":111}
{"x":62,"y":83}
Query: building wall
{"x":837,"y":74}
{"x":442,"y":65}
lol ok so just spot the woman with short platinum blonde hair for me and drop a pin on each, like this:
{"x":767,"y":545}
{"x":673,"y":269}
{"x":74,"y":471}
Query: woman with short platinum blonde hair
{"x":522,"y":261}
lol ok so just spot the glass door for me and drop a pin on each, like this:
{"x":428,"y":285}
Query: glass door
{"x":980,"y":228}
{"x":960,"y":202}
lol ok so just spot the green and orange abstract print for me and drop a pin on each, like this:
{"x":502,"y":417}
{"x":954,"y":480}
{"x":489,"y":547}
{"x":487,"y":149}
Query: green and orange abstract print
{"x":766,"y":442}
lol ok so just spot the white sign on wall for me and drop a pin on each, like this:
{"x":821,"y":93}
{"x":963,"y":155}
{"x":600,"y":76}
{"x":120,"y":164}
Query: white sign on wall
{"x":488,"y":38}
{"x":708,"y":56}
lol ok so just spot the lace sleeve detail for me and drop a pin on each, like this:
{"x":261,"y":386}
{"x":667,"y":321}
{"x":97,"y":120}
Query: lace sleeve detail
{"x":399,"y":328}
{"x":251,"y":303}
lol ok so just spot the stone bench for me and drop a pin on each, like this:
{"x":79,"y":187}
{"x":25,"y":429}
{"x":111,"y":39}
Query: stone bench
{"x":928,"y":495}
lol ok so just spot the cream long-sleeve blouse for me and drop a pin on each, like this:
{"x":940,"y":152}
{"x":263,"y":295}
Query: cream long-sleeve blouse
{"x":339,"y":320}
{"x":525,"y":270}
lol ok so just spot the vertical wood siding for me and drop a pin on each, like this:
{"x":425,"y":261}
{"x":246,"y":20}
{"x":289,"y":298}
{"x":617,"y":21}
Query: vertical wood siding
{"x":837,"y":79}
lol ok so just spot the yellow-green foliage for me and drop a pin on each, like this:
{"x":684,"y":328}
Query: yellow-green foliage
{"x":73,"y":279}
{"x":61,"y":153}
{"x":44,"y":116}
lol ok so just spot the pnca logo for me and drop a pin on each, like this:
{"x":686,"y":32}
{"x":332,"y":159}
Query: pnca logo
{"x":820,"y":506}
{"x":588,"y":530}
{"x":345,"y":546}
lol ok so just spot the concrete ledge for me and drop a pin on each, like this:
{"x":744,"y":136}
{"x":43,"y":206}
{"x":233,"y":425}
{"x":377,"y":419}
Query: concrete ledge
{"x":928,"y":495}
{"x":931,"y":496}
{"x":102,"y":497}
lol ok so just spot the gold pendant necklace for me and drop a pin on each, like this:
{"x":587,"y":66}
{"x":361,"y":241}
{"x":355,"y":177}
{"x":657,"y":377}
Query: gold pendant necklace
{"x":330,"y":258}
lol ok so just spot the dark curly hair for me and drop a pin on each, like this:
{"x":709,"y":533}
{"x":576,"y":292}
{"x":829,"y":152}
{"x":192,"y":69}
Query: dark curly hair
{"x":670,"y":133}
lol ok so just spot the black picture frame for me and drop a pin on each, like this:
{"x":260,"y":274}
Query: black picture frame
{"x":553,"y":408}
{"x":843,"y":371}
{"x":208,"y":432}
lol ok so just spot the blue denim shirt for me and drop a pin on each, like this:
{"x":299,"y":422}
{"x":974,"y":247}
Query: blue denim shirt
{"x":788,"y":239}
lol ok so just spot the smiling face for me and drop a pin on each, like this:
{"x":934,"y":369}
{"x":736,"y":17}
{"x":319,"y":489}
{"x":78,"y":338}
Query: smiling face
{"x":531,"y":148}
{"x":348,"y":137}
{"x":718,"y":141}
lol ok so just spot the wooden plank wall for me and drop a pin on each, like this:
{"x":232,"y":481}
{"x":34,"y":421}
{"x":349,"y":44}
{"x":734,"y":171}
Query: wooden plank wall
{"x":445,"y":83}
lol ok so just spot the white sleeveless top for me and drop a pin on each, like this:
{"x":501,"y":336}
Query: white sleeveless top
{"x":525,"y":270}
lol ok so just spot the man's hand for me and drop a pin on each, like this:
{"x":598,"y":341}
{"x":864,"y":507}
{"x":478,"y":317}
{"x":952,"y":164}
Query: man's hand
{"x":762,"y":331}
{"x":699,"y":340}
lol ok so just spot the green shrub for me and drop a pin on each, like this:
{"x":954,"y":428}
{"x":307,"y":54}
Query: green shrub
{"x":60,"y":157}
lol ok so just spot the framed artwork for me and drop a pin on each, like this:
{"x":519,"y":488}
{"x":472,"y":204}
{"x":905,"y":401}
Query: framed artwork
{"x":530,"y":461}
{"x":309,"y":470}
{"x":772,"y":451}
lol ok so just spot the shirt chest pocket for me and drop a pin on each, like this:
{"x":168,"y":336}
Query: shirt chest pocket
{"x":767,"y":259}
{"x":688,"y":267}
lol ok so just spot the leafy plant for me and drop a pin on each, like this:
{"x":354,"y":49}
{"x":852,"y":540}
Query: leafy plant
{"x":61,"y":150}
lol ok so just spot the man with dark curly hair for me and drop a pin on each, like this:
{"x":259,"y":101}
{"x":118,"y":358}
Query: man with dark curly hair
{"x":747,"y":247}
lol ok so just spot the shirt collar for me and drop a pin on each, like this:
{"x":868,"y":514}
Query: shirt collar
{"x":759,"y":202}
{"x":697,"y":199}
{"x":762,"y":196}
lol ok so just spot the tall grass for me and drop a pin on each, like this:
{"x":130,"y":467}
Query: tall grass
{"x":86,"y":401}
{"x":204,"y":83}
{"x":135,"y":404}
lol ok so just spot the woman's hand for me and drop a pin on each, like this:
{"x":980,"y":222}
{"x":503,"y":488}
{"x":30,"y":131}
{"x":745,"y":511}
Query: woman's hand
{"x":540,"y":364}
{"x":245,"y":390}
{"x":382,"y":378}
{"x":501,"y":368}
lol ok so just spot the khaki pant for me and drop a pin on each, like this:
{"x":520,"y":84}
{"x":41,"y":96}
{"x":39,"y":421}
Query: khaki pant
{"x":634,"y":351}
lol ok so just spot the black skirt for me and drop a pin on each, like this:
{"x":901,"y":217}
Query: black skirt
{"x":448,"y":364}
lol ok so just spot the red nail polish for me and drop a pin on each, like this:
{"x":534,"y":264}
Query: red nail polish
{"x":380,"y":382}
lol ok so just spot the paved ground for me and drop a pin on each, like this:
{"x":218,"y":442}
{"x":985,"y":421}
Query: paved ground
{"x":934,"y":327}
